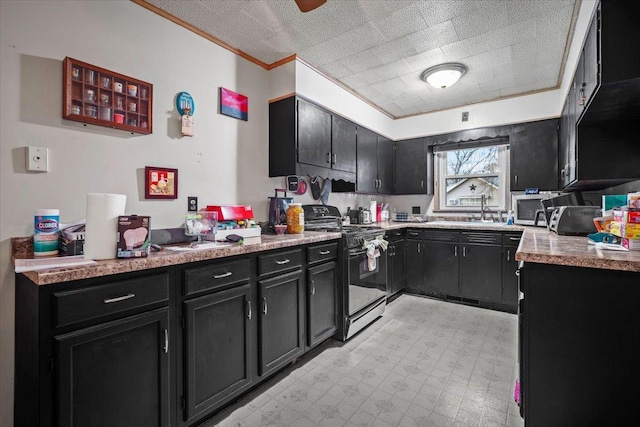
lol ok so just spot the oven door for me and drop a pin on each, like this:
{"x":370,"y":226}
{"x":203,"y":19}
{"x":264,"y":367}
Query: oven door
{"x":366,"y":285}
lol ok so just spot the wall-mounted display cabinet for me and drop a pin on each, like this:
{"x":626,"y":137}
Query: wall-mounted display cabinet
{"x":105,"y":98}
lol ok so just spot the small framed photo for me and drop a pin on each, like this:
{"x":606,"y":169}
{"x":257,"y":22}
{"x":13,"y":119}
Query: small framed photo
{"x":233,"y":104}
{"x":160,"y":183}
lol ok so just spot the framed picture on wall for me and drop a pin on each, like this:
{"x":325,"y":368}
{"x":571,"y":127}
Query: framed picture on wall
{"x":233,"y":104}
{"x":160,"y":183}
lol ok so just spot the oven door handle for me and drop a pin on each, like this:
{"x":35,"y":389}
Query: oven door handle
{"x":354,"y":253}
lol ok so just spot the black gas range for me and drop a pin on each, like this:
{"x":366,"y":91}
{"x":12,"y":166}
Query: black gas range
{"x":364,"y":284}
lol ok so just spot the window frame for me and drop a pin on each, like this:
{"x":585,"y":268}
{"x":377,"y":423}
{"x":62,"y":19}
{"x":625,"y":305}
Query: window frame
{"x":440,"y":177}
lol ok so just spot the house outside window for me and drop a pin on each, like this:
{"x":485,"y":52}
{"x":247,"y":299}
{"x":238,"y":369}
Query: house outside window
{"x":466,"y":173}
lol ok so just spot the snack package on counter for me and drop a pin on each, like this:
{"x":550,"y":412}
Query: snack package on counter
{"x":133,"y":236}
{"x":633,"y":200}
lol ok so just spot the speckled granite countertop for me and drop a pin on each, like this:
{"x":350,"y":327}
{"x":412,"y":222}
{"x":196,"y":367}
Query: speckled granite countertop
{"x":23,"y":248}
{"x":545,"y":247}
{"x":451,"y":225}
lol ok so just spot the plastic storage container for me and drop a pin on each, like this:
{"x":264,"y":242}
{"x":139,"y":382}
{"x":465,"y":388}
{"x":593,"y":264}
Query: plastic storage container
{"x":295,"y":218}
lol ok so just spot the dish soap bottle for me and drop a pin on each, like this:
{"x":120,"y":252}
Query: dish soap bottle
{"x":510,"y":218}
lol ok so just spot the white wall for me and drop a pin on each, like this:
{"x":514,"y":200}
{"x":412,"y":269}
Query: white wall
{"x":224,"y":163}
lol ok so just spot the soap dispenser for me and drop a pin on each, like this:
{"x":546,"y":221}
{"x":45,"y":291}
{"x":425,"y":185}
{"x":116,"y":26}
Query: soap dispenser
{"x":373,"y":210}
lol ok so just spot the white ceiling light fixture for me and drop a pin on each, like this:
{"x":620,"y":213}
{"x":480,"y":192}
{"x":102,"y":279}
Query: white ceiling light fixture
{"x":444,"y":75}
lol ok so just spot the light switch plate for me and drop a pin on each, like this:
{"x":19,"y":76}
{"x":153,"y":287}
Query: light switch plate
{"x":37,"y":159}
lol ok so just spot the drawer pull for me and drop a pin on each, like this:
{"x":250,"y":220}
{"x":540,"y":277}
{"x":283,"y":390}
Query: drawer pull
{"x":166,"y":341}
{"x":508,"y":255}
{"x":118,"y":299}
{"x":264,"y":307}
{"x":282,"y":262}
{"x":220,"y":276}
{"x":325,"y":252}
{"x":464,"y":251}
{"x":313,"y":287}
{"x":515,"y":239}
{"x":249,"y":310}
{"x":455,"y":251}
{"x":413,"y":234}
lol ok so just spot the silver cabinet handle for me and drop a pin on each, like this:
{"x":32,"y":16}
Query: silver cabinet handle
{"x":328,"y":157}
{"x":455,"y":251}
{"x":464,"y":251}
{"x":220,"y":276}
{"x":421,"y":184}
{"x":166,"y":341}
{"x":264,"y":306}
{"x":508,"y":254}
{"x":335,"y":158}
{"x":325,"y":252}
{"x":419,"y":247}
{"x":413,"y":233}
{"x":516,"y":239}
{"x":516,"y":178}
{"x":118,"y":299}
{"x":284,"y":261}
{"x":562,"y":173}
{"x":518,"y":273}
{"x":313,"y":287}
{"x":249,"y":310}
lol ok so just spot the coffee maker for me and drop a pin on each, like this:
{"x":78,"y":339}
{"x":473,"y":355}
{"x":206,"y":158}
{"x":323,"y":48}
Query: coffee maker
{"x":278,"y":207}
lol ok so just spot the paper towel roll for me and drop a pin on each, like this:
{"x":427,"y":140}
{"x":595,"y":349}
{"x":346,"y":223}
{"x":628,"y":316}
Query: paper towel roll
{"x":101,"y":233}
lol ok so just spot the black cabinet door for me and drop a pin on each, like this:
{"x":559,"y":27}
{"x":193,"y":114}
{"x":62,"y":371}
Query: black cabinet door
{"x":367,"y":164}
{"x":343,"y":144}
{"x":314,"y":135}
{"x":441,"y":268}
{"x":385,"y":165}
{"x":591,"y":54}
{"x":534,"y":155}
{"x":217,"y":348}
{"x":480,"y":272}
{"x":281,"y":336}
{"x":322,"y":317}
{"x":396,"y":254}
{"x":411,"y":166}
{"x":415,"y":265}
{"x":509,"y":278}
{"x":115,"y":374}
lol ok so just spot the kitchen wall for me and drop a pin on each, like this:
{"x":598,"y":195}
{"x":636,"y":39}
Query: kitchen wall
{"x":225,"y":162}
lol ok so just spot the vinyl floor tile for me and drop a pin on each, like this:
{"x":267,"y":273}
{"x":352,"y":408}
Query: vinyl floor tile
{"x":425,"y":363}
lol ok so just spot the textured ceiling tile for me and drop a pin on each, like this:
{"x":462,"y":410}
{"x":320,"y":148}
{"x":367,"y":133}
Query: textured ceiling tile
{"x":481,"y":21}
{"x":474,"y":76}
{"x":546,"y":73}
{"x":393,"y":70}
{"x":484,"y":96}
{"x":394,"y":50}
{"x":337,"y":69}
{"x":400,"y":23}
{"x":488,"y":59}
{"x":362,"y":61}
{"x":409,"y":102}
{"x":497,"y":84}
{"x":524,"y":10}
{"x":552,"y":20}
{"x":425,"y":60}
{"x":535,"y":86}
{"x":433,"y":37}
{"x":437,"y":11}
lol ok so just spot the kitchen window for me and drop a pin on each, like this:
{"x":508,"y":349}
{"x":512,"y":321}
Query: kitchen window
{"x":465,"y":172}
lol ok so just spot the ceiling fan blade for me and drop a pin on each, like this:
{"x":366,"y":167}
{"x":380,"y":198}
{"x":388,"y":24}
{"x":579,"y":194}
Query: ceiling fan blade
{"x":308,"y":5}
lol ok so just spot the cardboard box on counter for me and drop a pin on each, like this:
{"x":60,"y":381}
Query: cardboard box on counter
{"x":133,"y":236}
{"x":625,"y":230}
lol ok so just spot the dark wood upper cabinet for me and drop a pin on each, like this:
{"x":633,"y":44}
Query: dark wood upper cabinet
{"x":367,"y":165}
{"x":101,"y":97}
{"x":343,"y":144}
{"x":306,"y":139}
{"x":314,"y":135}
{"x":385,"y":165}
{"x":534,"y":155}
{"x":411,"y":171}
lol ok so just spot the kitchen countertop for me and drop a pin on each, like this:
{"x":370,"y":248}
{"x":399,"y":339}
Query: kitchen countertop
{"x":450,"y":225}
{"x":22,"y":247}
{"x":538,"y":245}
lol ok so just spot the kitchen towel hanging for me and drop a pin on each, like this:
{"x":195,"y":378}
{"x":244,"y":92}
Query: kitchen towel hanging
{"x":101,"y":233}
{"x":316,"y":186}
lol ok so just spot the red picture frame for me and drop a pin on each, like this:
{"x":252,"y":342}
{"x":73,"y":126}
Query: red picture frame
{"x":160,"y":183}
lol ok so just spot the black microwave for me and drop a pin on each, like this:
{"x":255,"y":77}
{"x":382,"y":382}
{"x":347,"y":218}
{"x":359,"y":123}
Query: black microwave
{"x":525,"y":207}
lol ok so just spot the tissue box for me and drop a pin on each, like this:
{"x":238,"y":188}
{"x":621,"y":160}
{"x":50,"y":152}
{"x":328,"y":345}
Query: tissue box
{"x":133,"y":236}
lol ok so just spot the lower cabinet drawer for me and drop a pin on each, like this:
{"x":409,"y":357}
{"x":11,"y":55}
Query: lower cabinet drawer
{"x":319,"y":253}
{"x":91,"y":303}
{"x":279,"y":261}
{"x":215,"y":276}
{"x":511,"y":238}
{"x":480,"y":237}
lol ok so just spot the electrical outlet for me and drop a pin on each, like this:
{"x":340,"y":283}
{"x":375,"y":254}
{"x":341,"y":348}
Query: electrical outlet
{"x":192,"y":204}
{"x":465,"y":116}
{"x":37,"y":159}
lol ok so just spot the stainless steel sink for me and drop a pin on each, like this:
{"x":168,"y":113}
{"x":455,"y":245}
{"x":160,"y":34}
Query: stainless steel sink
{"x":484,"y":223}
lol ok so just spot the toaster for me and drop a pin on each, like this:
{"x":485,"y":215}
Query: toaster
{"x":574,"y":220}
